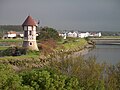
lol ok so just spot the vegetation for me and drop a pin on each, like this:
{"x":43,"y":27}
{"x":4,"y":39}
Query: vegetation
{"x":75,"y":44}
{"x":63,"y":73}
{"x":54,"y":67}
{"x":5,"y":28}
{"x":111,"y":37}
{"x":48,"y":33}
{"x":13,"y":51}
{"x":3,"y":47}
{"x":110,"y":33}
{"x":11,"y":40}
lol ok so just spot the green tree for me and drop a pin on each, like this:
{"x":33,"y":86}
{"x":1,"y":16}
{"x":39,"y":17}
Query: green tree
{"x":48,"y":33}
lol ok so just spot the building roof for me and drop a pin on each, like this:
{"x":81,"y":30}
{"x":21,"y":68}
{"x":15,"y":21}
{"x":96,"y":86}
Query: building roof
{"x":29,"y":21}
{"x":11,"y":32}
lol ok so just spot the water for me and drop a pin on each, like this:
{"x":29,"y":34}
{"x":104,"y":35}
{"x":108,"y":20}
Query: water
{"x":106,"y":53}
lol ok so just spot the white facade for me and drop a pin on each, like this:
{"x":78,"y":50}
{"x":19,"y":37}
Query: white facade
{"x":95,"y":34}
{"x":83,"y":35}
{"x":30,"y":38}
{"x":30,"y":34}
{"x":70,"y":34}
{"x":80,"y":35}
{"x":99,"y":34}
{"x":10,"y":34}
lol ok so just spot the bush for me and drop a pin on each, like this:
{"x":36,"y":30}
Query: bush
{"x":8,"y":79}
{"x":48,"y":33}
{"x":47,"y":46}
{"x":13,"y":51}
{"x":47,"y":80}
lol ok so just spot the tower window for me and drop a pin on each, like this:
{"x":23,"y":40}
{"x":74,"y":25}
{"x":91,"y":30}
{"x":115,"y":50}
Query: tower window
{"x":25,"y":27}
{"x":30,"y":43}
{"x":26,"y":33}
{"x":30,"y":32}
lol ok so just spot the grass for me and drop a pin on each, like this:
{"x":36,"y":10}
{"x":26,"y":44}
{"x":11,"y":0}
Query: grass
{"x":11,"y":40}
{"x":19,"y":57}
{"x":34,"y":59}
{"x":3,"y":47}
{"x":74,"y":44}
{"x":110,"y":37}
{"x":71,"y":45}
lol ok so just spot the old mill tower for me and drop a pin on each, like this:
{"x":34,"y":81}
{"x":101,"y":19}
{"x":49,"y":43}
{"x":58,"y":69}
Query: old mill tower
{"x":29,"y":27}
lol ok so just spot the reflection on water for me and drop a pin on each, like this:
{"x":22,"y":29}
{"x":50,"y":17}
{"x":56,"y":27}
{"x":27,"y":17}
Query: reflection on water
{"x":106,"y":53}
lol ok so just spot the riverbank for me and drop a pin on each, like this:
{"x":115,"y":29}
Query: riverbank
{"x":33,"y":70}
{"x":74,"y":48}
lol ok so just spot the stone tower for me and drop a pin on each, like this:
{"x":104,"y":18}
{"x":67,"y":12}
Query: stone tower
{"x":29,"y":27}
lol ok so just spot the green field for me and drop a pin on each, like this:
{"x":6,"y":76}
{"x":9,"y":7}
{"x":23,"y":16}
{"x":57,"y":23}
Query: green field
{"x":74,"y":44}
{"x":110,"y":37}
{"x":11,"y":40}
{"x":3,"y":47}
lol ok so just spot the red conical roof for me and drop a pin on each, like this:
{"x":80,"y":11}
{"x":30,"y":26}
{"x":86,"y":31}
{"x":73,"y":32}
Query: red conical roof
{"x":29,"y":21}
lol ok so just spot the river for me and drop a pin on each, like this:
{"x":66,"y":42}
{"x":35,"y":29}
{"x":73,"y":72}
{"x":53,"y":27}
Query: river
{"x":105,"y":53}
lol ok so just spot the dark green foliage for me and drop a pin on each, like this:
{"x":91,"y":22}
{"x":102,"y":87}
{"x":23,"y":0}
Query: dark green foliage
{"x":48,"y":33}
{"x":13,"y":51}
{"x":110,"y":33}
{"x":9,"y":80}
{"x":5,"y":28}
{"x":47,"y":80}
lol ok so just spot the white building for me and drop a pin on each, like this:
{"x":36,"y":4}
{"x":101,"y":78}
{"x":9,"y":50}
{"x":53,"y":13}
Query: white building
{"x":95,"y":34}
{"x":99,"y":34}
{"x":10,"y":34}
{"x":80,"y":35}
{"x":74,"y":34}
{"x":83,"y":35}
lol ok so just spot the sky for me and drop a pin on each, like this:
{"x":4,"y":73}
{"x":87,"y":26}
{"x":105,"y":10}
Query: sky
{"x":83,"y":15}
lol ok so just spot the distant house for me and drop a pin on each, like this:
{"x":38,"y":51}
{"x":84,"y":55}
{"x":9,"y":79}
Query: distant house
{"x":80,"y":34}
{"x":10,"y":34}
{"x":61,"y":34}
{"x":13,"y":34}
{"x":69,"y":34}
{"x":74,"y":34}
{"x":83,"y":35}
{"x":95,"y":34}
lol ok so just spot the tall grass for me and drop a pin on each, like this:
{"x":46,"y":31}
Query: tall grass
{"x":91,"y":75}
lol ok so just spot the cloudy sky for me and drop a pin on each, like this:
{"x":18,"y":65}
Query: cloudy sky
{"x":84,"y":15}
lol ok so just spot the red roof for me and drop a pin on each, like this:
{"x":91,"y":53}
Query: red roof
{"x":11,"y":32}
{"x":29,"y":21}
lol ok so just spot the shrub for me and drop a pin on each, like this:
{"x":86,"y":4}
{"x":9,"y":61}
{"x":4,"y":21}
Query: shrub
{"x":48,"y":33}
{"x":47,"y":80}
{"x":47,"y":46}
{"x":13,"y":51}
